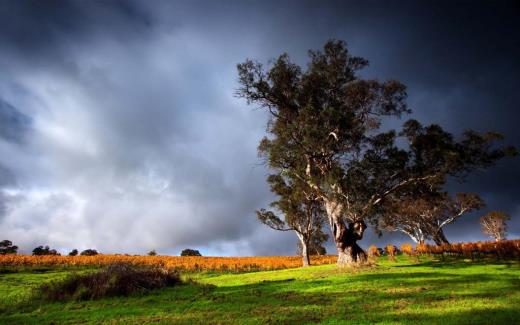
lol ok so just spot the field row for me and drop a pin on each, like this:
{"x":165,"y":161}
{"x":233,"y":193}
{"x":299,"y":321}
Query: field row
{"x":186,"y":263}
{"x":497,"y":249}
{"x":502,"y":249}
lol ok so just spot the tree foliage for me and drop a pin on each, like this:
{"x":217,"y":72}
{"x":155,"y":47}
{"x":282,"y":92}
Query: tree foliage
{"x":89,"y":252}
{"x":190,"y":252}
{"x":40,"y":250}
{"x":324,"y":130}
{"x":7,"y":247}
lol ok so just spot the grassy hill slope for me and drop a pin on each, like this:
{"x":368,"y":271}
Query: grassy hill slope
{"x":403,"y":292}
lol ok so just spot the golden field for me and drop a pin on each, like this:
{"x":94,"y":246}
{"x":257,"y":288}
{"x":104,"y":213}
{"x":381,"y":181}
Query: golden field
{"x":186,"y":263}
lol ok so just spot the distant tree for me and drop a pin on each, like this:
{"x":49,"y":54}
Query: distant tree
{"x":40,"y":250}
{"x":423,"y":216}
{"x":152,"y":253}
{"x":190,"y":252}
{"x":325,"y":130}
{"x":7,"y":247}
{"x":494,"y":224}
{"x":89,"y":252}
{"x":302,"y":212}
{"x":73,"y":252}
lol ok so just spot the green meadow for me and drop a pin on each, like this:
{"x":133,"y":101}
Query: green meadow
{"x":406,"y":291}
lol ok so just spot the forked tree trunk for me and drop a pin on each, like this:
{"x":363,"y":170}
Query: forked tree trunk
{"x":439,"y":238}
{"x":345,"y":237}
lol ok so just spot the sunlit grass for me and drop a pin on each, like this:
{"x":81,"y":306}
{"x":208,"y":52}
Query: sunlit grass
{"x":402,"y":292}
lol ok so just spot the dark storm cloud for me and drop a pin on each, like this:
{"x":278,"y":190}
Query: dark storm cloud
{"x":32,"y":28}
{"x":13,"y":124}
{"x":136,"y":141}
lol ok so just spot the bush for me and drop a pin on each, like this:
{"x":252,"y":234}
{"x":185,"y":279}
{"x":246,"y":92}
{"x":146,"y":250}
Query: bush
{"x":407,"y":249}
{"x":73,"y":252}
{"x":190,"y":252}
{"x":373,"y":250}
{"x":118,"y":279}
{"x":391,"y":250}
{"x":152,"y":253}
{"x":89,"y":252}
{"x":7,"y":247}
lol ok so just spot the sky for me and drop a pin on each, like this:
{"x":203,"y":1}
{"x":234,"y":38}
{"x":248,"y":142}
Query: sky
{"x":120,"y":129}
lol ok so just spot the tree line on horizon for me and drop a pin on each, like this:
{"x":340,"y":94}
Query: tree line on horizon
{"x":7,"y":248}
{"x":332,"y":163}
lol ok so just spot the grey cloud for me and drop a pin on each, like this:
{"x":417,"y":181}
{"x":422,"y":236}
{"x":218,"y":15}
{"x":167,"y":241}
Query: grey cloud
{"x":136,"y":141}
{"x":13,"y":124}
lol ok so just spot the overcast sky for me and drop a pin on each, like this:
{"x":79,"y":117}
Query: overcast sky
{"x":119,"y":129}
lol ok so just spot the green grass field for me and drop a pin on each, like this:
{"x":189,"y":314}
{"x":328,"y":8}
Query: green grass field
{"x":403,"y":292}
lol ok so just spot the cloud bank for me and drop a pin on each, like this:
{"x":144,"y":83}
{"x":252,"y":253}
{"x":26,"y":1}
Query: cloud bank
{"x":119,"y":129}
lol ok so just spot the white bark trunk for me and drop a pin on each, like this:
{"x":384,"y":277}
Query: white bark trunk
{"x":305,"y":249}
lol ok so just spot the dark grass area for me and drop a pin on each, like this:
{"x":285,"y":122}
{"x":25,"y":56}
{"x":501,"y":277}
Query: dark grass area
{"x":115,"y":280}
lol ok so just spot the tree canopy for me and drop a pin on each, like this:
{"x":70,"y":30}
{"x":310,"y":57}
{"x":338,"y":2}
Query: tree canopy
{"x":325,"y":131}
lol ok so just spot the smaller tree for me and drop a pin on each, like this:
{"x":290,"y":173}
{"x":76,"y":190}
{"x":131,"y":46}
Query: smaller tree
{"x":89,"y":252}
{"x":40,"y":250}
{"x":7,"y":247}
{"x":423,"y":215}
{"x":303,"y":214}
{"x":190,"y":252}
{"x":73,"y":252}
{"x":152,"y":253}
{"x":316,"y":244}
{"x":494,"y":224}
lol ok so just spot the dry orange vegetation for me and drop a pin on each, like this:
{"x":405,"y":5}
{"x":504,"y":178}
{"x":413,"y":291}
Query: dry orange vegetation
{"x":186,"y":263}
{"x":500,"y":249}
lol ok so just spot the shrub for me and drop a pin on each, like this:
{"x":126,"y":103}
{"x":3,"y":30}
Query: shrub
{"x":407,"y":249}
{"x":7,"y":247}
{"x":89,"y":252}
{"x":73,"y":252}
{"x":118,"y":279}
{"x":373,"y":251}
{"x":391,"y":250}
{"x":190,"y":252}
{"x":152,"y":253}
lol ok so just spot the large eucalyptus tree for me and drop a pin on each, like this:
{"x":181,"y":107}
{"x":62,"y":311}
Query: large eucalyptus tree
{"x":325,"y":130}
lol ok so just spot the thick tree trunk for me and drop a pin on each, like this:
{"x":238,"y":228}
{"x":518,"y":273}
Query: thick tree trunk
{"x":345,"y":237}
{"x":439,"y":238}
